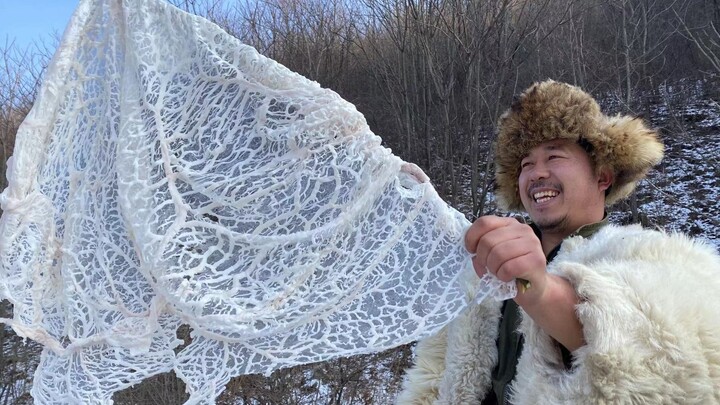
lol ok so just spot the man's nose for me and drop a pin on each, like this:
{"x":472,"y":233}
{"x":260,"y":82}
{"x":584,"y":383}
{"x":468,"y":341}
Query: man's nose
{"x":540,"y":171}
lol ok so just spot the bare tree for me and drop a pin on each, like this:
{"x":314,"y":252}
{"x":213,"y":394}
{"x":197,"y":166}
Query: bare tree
{"x":701,"y":28}
{"x":20,"y":74}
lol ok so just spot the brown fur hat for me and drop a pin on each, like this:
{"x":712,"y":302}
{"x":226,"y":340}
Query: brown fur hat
{"x":551,"y":110}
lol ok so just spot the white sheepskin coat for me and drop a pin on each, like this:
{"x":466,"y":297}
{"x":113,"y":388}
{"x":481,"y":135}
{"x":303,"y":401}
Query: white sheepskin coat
{"x":650,"y":310}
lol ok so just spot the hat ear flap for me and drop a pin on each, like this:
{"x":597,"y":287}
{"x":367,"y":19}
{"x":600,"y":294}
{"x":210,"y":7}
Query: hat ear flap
{"x":631,"y":150}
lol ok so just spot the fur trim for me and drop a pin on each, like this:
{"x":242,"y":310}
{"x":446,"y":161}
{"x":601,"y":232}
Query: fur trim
{"x":552,"y":110}
{"x":471,"y":356}
{"x":454,"y":366}
{"x":650,"y":320}
{"x":421,"y":385}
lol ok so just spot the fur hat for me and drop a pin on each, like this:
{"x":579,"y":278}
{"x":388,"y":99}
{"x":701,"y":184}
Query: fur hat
{"x":552,"y":110}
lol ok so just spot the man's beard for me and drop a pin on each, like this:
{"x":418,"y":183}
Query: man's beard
{"x":552,"y":224}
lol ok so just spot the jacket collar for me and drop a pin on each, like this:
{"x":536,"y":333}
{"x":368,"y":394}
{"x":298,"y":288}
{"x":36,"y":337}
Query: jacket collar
{"x":585,"y":231}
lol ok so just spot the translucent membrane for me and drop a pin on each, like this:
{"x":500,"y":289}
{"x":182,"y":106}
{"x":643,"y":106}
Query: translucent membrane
{"x":169,"y":175}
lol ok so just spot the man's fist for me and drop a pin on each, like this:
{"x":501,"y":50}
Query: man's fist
{"x":508,"y":249}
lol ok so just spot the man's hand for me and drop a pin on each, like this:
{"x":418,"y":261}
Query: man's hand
{"x":510,"y":250}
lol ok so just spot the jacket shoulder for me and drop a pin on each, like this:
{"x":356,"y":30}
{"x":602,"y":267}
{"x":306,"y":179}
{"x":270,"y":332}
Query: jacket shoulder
{"x":634,"y":243}
{"x":649,"y":319}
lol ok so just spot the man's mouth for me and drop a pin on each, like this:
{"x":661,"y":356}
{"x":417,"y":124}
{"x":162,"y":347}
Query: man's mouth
{"x":543,"y":196}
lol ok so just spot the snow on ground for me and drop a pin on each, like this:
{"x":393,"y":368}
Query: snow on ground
{"x":683,"y":193}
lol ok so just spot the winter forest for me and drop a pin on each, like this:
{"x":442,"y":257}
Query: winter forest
{"x":432,"y":77}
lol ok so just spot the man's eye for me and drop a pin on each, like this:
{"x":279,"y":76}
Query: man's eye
{"x":525,"y":164}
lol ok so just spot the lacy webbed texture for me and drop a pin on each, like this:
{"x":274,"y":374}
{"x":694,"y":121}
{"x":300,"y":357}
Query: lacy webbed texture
{"x":170,"y":175}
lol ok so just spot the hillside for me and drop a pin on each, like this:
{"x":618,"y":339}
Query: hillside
{"x":683,"y":194}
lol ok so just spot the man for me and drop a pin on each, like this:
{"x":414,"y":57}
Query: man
{"x":606,"y":314}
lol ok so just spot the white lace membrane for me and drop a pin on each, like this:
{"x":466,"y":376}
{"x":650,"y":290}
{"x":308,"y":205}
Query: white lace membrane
{"x":169,"y":175}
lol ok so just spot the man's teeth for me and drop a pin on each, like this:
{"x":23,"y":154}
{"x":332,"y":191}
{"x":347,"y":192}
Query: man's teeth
{"x":544,"y":196}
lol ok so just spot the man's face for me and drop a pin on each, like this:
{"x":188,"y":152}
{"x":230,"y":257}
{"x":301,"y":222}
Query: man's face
{"x":559,"y":187}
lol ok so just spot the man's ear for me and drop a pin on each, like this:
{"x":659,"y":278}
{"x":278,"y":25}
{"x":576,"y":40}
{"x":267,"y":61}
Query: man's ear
{"x":605,"y":178}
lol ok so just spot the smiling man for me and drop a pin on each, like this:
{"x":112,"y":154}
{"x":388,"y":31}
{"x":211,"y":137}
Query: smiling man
{"x":605,"y":314}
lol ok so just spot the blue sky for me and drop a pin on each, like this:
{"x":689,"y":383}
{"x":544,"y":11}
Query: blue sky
{"x":25,"y":21}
